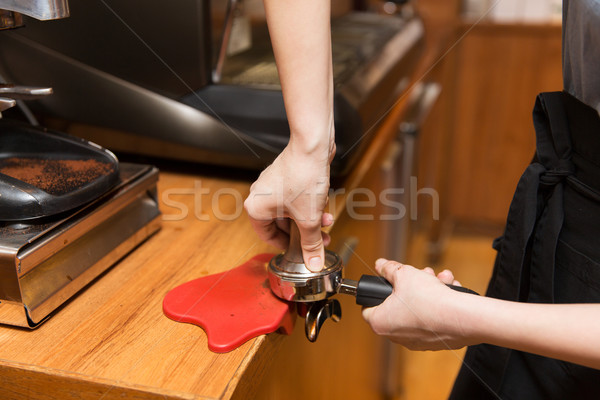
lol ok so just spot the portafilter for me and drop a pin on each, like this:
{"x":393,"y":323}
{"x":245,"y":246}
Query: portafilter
{"x":291,"y":280}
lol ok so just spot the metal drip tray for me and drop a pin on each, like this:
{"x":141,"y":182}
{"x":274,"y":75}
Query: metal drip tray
{"x":44,"y":262}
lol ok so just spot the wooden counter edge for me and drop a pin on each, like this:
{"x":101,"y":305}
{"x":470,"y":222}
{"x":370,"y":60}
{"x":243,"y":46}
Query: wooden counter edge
{"x":250,"y":373}
{"x":31,"y":381}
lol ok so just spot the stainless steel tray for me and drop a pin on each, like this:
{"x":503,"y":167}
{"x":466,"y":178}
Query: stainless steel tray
{"x":44,"y":263}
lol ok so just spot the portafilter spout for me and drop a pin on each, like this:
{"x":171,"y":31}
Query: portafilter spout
{"x":291,"y":280}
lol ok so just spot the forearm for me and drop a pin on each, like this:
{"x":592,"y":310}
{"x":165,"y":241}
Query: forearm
{"x":301,"y":38}
{"x":569,"y":332}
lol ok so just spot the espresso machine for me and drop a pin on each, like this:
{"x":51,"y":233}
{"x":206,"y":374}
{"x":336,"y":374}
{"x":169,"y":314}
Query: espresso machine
{"x":198,"y":81}
{"x":68,"y":209}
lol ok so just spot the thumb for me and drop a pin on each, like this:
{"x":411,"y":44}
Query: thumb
{"x":311,"y":241}
{"x":367,"y":313}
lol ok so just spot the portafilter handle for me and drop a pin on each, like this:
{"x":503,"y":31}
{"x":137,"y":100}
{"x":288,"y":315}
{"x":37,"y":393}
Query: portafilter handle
{"x":372,"y":290}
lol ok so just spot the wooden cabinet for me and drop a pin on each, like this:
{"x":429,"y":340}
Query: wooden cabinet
{"x":480,"y":137}
{"x":501,"y":69}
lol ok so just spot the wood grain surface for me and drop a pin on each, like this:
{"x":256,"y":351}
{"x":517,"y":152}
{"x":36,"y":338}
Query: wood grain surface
{"x":112,"y":338}
{"x":501,"y":69}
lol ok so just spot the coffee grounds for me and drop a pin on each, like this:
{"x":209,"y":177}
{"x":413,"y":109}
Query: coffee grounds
{"x":56,"y":177}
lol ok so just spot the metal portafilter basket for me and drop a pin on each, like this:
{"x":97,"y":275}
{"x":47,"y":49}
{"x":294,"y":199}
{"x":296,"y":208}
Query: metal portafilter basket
{"x":291,"y":280}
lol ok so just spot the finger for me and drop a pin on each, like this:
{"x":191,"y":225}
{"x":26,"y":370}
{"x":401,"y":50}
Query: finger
{"x":260,"y":210}
{"x":326,"y":239}
{"x":429,"y":270}
{"x":311,"y":241}
{"x":376,"y":320}
{"x":387,"y":269}
{"x":379,"y":263}
{"x":332,"y":154}
{"x":269,"y":232}
{"x":456,"y":283}
{"x":446,"y":276}
{"x":326,"y":219}
{"x":283,"y":224}
{"x":367,"y":313}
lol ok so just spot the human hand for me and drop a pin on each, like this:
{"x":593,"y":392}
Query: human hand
{"x":420,"y":313}
{"x":294,"y":186}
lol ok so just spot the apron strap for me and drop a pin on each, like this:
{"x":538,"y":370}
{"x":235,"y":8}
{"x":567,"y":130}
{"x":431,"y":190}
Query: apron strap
{"x":553,"y":140}
{"x":525,"y":265}
{"x":554,"y":152}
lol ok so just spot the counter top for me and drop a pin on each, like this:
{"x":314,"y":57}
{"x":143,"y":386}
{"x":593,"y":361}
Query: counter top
{"x":113,"y":339}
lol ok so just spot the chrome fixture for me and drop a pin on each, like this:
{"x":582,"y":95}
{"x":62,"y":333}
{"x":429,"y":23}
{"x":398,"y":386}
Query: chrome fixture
{"x":10,"y":17}
{"x":9,"y":94}
{"x":38,"y":9}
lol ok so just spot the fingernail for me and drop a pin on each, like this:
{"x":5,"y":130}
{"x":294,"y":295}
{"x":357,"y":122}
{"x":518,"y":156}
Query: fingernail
{"x":380,"y":262}
{"x":315,"y":263}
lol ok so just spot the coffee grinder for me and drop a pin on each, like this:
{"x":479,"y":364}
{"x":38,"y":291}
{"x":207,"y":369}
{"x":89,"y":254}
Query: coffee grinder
{"x":68,"y":209}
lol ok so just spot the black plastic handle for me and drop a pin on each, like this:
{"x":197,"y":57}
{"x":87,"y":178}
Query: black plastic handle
{"x":373,"y":290}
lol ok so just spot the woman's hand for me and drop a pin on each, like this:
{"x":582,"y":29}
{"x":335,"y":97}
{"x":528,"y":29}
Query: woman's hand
{"x":295,"y":186}
{"x":419,"y":313}
{"x":297,"y":183}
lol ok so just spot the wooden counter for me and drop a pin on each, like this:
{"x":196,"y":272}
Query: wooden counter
{"x":113,"y":339}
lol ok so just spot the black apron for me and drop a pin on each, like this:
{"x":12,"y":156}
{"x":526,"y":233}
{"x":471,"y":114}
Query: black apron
{"x":549,"y":253}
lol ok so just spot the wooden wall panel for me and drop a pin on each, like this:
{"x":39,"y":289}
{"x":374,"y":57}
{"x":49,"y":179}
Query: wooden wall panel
{"x":500,"y":71}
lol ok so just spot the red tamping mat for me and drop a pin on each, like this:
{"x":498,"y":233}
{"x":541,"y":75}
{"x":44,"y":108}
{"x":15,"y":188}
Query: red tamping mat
{"x":232,"y":307}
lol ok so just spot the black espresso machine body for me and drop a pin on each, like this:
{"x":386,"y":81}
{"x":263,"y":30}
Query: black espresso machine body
{"x":138,"y":77}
